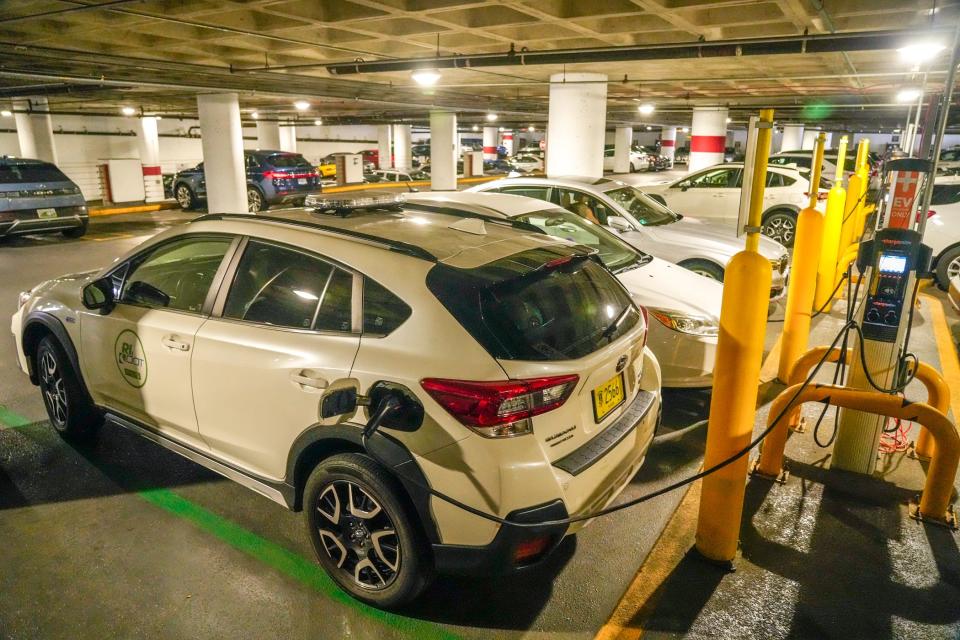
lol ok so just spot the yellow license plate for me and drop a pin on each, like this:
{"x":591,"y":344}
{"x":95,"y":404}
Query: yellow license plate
{"x":608,"y":397}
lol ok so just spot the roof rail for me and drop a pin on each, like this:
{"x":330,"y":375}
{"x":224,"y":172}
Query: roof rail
{"x":392,"y":245}
{"x":453,"y":210}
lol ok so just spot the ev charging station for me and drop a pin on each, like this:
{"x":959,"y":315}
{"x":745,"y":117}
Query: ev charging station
{"x":890,"y":265}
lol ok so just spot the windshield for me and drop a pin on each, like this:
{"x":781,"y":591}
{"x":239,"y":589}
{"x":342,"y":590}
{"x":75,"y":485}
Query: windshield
{"x":30,"y":172}
{"x":289,"y":161}
{"x":645,"y":209}
{"x":615,"y":254}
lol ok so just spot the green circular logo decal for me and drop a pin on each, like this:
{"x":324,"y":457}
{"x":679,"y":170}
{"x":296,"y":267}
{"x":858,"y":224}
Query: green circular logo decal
{"x":131,"y":359}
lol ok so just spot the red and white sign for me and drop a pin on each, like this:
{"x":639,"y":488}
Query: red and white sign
{"x":903,"y":199}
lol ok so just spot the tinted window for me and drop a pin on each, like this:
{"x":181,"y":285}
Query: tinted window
{"x":289,"y":161}
{"x":287,"y":288}
{"x":945,"y":193}
{"x":177,"y":275}
{"x":950,"y":155}
{"x":774,"y":179}
{"x":382,"y":311}
{"x":30,"y":172}
{"x":714,"y":179}
{"x":519,"y":309}
{"x":540,"y":193}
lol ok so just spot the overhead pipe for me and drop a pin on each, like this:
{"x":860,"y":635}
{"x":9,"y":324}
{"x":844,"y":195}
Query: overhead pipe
{"x":779,"y":45}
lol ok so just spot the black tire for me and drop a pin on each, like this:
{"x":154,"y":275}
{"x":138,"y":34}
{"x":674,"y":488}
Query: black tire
{"x":704,"y":268}
{"x":184,"y":196}
{"x":71,"y":413}
{"x":255,"y":200}
{"x":948,"y":265}
{"x":76,"y":232}
{"x":781,"y":225}
{"x":386,"y":574}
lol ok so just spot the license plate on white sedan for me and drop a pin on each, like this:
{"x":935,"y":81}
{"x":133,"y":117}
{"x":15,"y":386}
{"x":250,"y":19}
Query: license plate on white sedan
{"x":608,"y":397}
{"x":301,"y":181}
{"x":46,"y":213}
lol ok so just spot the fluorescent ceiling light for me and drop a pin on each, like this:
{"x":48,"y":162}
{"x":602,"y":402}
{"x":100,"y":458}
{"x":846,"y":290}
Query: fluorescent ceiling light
{"x":318,"y":122}
{"x":920,"y":52}
{"x":425,"y":77}
{"x":646,"y":108}
{"x":531,"y":128}
{"x":476,"y":128}
{"x":6,"y":113}
{"x":685,"y":130}
{"x":128,"y":111}
{"x":491,"y":117}
{"x":254,"y":115}
{"x":301,"y":105}
{"x":908,"y":95}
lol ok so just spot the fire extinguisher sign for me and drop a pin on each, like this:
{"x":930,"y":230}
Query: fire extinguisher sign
{"x":903,"y":198}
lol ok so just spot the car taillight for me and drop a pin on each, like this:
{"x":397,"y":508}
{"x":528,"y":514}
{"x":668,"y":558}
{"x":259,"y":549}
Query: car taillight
{"x":930,"y":214}
{"x":500,"y":409}
{"x":269,"y":175}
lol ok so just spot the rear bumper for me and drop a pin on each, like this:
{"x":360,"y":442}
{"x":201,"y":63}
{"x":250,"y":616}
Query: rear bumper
{"x":20,"y":223}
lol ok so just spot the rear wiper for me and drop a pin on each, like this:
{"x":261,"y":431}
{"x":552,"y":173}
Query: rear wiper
{"x":616,"y":323}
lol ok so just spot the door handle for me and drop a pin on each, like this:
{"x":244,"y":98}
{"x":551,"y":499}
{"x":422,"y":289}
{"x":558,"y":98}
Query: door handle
{"x":172,"y":343}
{"x":309,"y":378}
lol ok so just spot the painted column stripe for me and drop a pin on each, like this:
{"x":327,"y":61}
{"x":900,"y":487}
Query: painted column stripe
{"x":668,"y":143}
{"x":707,"y":144}
{"x":151,"y":170}
{"x":489,"y":149}
{"x":294,"y":566}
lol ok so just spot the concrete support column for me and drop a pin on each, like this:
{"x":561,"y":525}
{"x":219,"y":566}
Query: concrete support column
{"x":288,"y":138}
{"x":622,"y":141}
{"x":793,"y":137}
{"x":402,"y":147}
{"x":809,"y":137}
{"x":490,"y":143}
{"x":443,"y":151}
{"x":668,"y":143}
{"x":268,"y":135}
{"x":708,"y":137}
{"x":35,"y":129}
{"x":508,"y":142}
{"x":385,"y":146}
{"x":576,"y":124}
{"x":148,"y":141}
{"x":222,"y":143}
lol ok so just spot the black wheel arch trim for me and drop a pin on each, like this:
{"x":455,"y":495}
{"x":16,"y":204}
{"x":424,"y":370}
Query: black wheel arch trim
{"x":397,"y":459}
{"x":54,"y":326}
{"x":936,"y":259}
{"x":780,"y":208}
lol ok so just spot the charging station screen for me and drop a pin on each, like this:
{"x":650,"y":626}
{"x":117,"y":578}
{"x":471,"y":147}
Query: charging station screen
{"x":893,"y":264}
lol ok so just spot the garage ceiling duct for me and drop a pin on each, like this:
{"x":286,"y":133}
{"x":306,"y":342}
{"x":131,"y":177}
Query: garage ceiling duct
{"x":821,"y":43}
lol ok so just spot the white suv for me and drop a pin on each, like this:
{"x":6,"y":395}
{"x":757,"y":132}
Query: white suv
{"x":519,"y":362}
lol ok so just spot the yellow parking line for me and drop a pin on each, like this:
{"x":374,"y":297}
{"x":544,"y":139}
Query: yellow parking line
{"x":140,"y":208}
{"x":949,"y":362}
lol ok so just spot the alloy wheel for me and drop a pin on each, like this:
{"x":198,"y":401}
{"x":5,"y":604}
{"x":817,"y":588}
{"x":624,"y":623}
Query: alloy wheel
{"x":183,"y":196}
{"x":706,"y":273}
{"x":254,"y":201}
{"x":953,"y":269}
{"x":358,"y":535}
{"x":54,"y":391}
{"x":781,"y":228}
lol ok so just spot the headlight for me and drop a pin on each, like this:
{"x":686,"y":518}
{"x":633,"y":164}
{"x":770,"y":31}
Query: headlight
{"x":685,"y":323}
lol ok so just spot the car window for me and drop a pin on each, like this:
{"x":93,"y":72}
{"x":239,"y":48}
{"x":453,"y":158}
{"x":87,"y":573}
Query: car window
{"x":615,"y":254}
{"x":286,"y":288}
{"x":252,"y":162}
{"x":774,"y":179}
{"x":945,"y":194}
{"x":642,"y":207}
{"x":608,"y":153}
{"x":540,"y":193}
{"x":585,"y":205}
{"x":950,"y":155}
{"x":176,"y":275}
{"x":714,"y":179}
{"x":382,"y":311}
{"x":30,"y":172}
{"x":288,"y":161}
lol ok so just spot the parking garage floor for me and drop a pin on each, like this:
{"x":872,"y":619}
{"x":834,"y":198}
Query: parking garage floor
{"x":167,"y":549}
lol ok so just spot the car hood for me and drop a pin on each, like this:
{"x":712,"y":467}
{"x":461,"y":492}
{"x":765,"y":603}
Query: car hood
{"x":662,"y":285}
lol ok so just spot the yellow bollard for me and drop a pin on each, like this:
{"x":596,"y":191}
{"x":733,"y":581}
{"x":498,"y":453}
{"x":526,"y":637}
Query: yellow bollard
{"x":830,"y":248}
{"x":803,"y":273}
{"x":863,"y":170}
{"x":854,"y":201}
{"x":743,"y":318}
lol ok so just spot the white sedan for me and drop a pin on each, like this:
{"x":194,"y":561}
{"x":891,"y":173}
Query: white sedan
{"x":527,"y":162}
{"x":685,"y":305}
{"x":714,"y":194}
{"x":942,"y":233}
{"x":638,"y":160}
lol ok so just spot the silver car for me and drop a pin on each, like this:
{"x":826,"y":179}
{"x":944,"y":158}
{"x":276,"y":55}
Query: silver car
{"x":703,"y":247}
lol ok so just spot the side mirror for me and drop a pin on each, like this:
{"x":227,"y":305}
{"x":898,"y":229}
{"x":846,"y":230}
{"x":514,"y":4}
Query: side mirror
{"x":98,"y":295}
{"x":619,"y":223}
{"x":684,"y":186}
{"x":339,"y":402}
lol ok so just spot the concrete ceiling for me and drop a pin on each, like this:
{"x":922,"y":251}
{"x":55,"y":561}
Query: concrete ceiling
{"x":156,"y":55}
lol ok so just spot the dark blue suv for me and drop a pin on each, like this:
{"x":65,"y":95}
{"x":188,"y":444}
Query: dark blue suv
{"x":273,"y":177}
{"x":36,"y":197}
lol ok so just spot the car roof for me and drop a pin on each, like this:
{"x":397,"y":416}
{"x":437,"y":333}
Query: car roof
{"x":575,"y":182}
{"x":739,"y":165}
{"x":480,"y":203}
{"x":415,"y":232}
{"x":8,"y":160}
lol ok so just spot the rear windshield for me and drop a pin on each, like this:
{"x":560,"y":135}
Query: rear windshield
{"x":945,"y":193}
{"x":15,"y":173}
{"x":288,"y":161}
{"x":518,"y":308}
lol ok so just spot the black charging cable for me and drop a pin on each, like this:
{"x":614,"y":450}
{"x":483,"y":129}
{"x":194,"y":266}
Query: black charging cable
{"x":843,"y":278}
{"x":609,"y":510}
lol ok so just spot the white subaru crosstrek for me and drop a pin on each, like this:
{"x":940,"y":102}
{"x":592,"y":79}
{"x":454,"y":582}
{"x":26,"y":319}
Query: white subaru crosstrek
{"x":685,"y":305}
{"x":519,"y":363}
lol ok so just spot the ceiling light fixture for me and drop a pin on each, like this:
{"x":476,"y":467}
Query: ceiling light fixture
{"x":425,"y":77}
{"x":476,"y":128}
{"x":491,"y":117}
{"x":128,"y":111}
{"x":649,"y":128}
{"x":920,"y":52}
{"x":301,"y":105}
{"x":6,"y":113}
{"x":317,"y":122}
{"x":531,"y":128}
{"x":685,"y":130}
{"x":646,"y":108}
{"x":908,"y":95}
{"x":255,"y":115}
